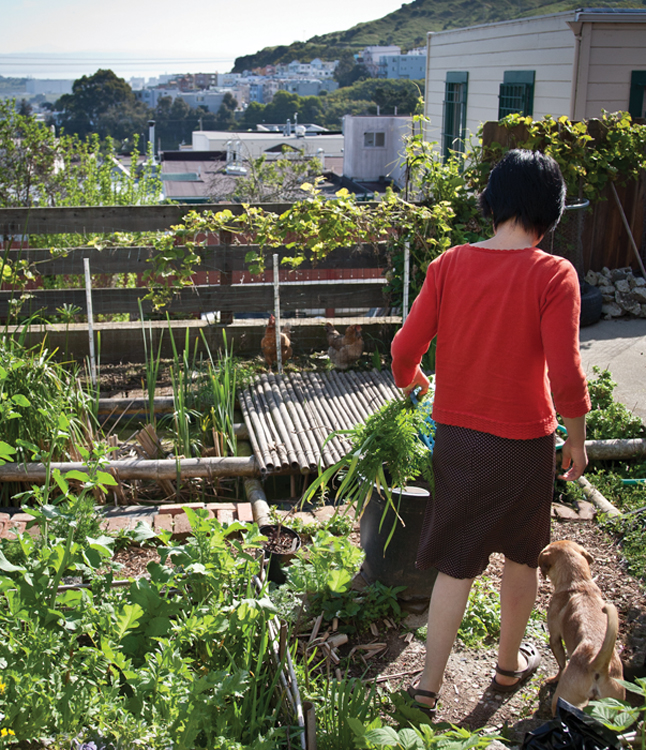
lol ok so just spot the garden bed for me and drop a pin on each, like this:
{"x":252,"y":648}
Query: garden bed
{"x":465,"y":698}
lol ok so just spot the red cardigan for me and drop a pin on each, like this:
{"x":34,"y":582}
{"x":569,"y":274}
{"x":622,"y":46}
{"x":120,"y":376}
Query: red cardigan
{"x":507,"y":325}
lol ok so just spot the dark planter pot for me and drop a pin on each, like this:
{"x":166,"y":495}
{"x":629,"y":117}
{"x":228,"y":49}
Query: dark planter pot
{"x":281,"y":546}
{"x":395,"y":565}
{"x":591,"y":302}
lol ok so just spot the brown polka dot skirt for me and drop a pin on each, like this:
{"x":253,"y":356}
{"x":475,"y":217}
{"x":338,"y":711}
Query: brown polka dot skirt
{"x":492,"y":494}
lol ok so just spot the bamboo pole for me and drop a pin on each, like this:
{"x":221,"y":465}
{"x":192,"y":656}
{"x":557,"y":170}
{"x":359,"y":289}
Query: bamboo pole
{"x":255,"y":447}
{"x":312,"y":427}
{"x":303,"y":434}
{"x":619,"y":448}
{"x":352,"y":397}
{"x":283,"y":401}
{"x":138,"y":468}
{"x":278,"y":417}
{"x":259,"y":506}
{"x":593,"y":494}
{"x":628,"y":229}
{"x":360,"y":393}
{"x":326,"y":413}
{"x":270,"y":426}
{"x":346,"y":401}
{"x":338,"y":415}
{"x":333,"y":451}
{"x":269,"y":459}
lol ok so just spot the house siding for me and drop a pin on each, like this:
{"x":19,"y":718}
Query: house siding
{"x":615,"y":51}
{"x":486,"y":52}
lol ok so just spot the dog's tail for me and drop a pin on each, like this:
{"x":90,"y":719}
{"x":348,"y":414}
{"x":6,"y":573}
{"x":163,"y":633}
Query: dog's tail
{"x":601,"y":661}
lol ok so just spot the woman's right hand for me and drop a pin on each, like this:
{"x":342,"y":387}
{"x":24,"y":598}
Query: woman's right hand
{"x":419,"y":380}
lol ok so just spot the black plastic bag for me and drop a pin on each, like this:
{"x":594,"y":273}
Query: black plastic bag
{"x":571,"y":729}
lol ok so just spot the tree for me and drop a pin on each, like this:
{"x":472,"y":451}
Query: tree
{"x":277,"y":180}
{"x":225,"y":118}
{"x":29,"y":153}
{"x":348,"y":71}
{"x":104,"y":104}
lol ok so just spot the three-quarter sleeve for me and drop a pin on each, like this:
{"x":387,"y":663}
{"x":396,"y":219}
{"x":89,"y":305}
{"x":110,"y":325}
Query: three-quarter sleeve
{"x":413,"y":339}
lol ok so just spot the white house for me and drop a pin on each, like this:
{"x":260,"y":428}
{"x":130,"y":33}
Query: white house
{"x":374,"y":148}
{"x":575,"y":63}
{"x":251,"y":145}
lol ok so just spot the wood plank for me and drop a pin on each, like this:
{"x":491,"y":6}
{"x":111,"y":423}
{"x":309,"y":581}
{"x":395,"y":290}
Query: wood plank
{"x":237,"y":298}
{"x":214,"y":258}
{"x":107,"y":219}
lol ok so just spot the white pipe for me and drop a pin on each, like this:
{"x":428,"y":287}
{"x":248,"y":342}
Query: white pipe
{"x":279,"y":353}
{"x":406,"y":280}
{"x":90,"y":317}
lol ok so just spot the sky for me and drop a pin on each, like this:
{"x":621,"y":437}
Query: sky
{"x":69,"y":38}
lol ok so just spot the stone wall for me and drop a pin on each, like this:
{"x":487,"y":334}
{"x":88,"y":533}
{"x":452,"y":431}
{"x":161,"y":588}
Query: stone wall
{"x":623,"y":292}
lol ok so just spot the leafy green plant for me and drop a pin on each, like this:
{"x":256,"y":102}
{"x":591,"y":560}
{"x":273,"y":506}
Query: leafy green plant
{"x":619,"y":715}
{"x":339,"y":702}
{"x":423,"y":737}
{"x":180,"y":658}
{"x":386,"y":453}
{"x":608,"y":418}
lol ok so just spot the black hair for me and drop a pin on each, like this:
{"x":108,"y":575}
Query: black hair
{"x":526,"y":186}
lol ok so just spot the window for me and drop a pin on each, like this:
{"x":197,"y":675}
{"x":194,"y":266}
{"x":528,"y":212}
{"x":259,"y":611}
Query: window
{"x":637,"y":87}
{"x":455,"y":112}
{"x":374,"y":140}
{"x":516,"y":93}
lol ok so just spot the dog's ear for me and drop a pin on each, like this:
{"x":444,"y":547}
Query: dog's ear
{"x":545,"y":561}
{"x":587,"y":555}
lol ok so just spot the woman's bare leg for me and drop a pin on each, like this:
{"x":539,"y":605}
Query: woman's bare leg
{"x":448,"y":602}
{"x":517,"y":596}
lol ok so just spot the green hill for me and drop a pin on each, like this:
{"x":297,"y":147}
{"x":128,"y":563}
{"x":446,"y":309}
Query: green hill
{"x":407,"y":27}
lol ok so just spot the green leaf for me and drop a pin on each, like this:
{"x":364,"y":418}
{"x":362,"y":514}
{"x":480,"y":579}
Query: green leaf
{"x":9,"y":567}
{"x":382,"y":737}
{"x":20,"y":400}
{"x":128,"y":619}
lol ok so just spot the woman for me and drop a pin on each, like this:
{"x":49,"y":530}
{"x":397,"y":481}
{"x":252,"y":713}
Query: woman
{"x":506,"y":317}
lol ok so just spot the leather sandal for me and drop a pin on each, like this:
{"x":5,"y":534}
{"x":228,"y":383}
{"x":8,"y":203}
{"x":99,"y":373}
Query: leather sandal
{"x":429,"y":711}
{"x":533,"y":660}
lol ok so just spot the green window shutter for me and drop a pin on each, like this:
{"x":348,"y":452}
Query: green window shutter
{"x":516,"y":93}
{"x":636,"y":101}
{"x":455,"y":111}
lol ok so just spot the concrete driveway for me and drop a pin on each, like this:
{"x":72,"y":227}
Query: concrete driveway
{"x":619,"y":345}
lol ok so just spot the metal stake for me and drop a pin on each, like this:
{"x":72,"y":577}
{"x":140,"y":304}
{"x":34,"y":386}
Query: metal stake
{"x":90,"y":316}
{"x":279,"y":354}
{"x":406,"y":281}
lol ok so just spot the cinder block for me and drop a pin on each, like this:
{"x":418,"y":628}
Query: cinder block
{"x":225,"y":516}
{"x":176,"y":509}
{"x":245,"y":512}
{"x":181,"y":526}
{"x":115,"y":524}
{"x":215,"y":507}
{"x":163,"y":522}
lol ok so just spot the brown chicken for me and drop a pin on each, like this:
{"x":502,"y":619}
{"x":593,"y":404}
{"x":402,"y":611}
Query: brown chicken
{"x":344,"y":350}
{"x":268,"y":343}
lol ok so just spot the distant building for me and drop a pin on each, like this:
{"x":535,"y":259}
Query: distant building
{"x":411,"y":66}
{"x":370,"y":56}
{"x":245,"y":145}
{"x":307,"y":87}
{"x":374,"y":152}
{"x":35,"y":86}
{"x":575,"y":63}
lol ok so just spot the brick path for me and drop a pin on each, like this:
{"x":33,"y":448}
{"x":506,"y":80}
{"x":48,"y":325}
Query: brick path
{"x":164,"y":517}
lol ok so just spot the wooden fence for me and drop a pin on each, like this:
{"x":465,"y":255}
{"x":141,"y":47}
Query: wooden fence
{"x":348,"y":279}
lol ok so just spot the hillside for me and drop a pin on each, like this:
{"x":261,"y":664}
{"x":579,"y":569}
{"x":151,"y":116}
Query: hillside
{"x":408,"y":26}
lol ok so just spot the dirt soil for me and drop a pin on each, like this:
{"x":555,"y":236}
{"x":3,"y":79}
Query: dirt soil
{"x":465,"y":698}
